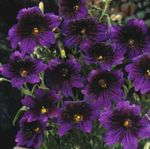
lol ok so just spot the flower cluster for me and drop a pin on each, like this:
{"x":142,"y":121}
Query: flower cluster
{"x":88,"y":84}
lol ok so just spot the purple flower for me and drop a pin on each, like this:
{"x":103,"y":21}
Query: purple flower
{"x":30,"y":133}
{"x":132,"y":38}
{"x":73,"y":9}
{"x":83,"y":32}
{"x":104,"y":86}
{"x":43,"y":106}
{"x":125,"y":125}
{"x":139,"y":73}
{"x":21,"y":69}
{"x":33,"y":29}
{"x":63,"y":75}
{"x":76,"y":114}
{"x":104,"y":54}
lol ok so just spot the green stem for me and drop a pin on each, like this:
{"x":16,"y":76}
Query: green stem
{"x":105,"y":9}
{"x":4,"y":79}
{"x":25,"y":90}
{"x":58,"y":141}
{"x":108,"y":20}
{"x":42,"y":81}
{"x":42,"y":85}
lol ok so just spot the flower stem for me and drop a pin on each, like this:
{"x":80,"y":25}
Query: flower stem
{"x":42,"y":85}
{"x":4,"y":79}
{"x":26,"y":91}
{"x":107,"y":2}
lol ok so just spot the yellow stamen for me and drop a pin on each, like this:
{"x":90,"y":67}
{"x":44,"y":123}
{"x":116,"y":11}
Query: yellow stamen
{"x":131,"y":42}
{"x":78,"y":118}
{"x":35,"y":31}
{"x":37,"y":129}
{"x":43,"y":110}
{"x":23,"y":73}
{"x":128,"y":123}
{"x":100,"y":57}
{"x":83,"y":31}
{"x":148,"y":72}
{"x":102,"y":83}
{"x":64,"y":72}
{"x":76,"y":7}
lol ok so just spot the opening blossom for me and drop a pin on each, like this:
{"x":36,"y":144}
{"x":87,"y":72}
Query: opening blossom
{"x":43,"y":106}
{"x":139,"y":73}
{"x":104,"y":86}
{"x":104,"y":54}
{"x":132,"y":39}
{"x":83,"y":32}
{"x":63,"y":75}
{"x":30,"y":133}
{"x":73,"y":9}
{"x":76,"y":114}
{"x":23,"y":69}
{"x":33,"y":29}
{"x":125,"y":125}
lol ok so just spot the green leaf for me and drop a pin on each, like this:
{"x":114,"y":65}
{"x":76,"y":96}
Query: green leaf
{"x":126,"y":90}
{"x":63,"y":54}
{"x":136,"y":97}
{"x":62,"y":50}
{"x":19,"y":113}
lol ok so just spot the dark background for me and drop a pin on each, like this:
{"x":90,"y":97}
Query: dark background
{"x":9,"y":97}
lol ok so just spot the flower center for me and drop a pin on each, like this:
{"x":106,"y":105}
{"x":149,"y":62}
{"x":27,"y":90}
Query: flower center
{"x":148,"y":72}
{"x":64,"y":72}
{"x":131,"y":43}
{"x":78,"y":118}
{"x":128,"y":123}
{"x":36,"y":129}
{"x":102,"y":83}
{"x":83,"y":31}
{"x":100,"y":58}
{"x":36,"y":31}
{"x":76,"y":7}
{"x":24,"y":72}
{"x":43,"y":110}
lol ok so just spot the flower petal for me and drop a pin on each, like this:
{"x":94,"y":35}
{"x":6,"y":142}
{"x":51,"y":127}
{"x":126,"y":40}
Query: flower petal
{"x":86,"y":126}
{"x":46,"y":38}
{"x":28,"y":44}
{"x":64,"y":128}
